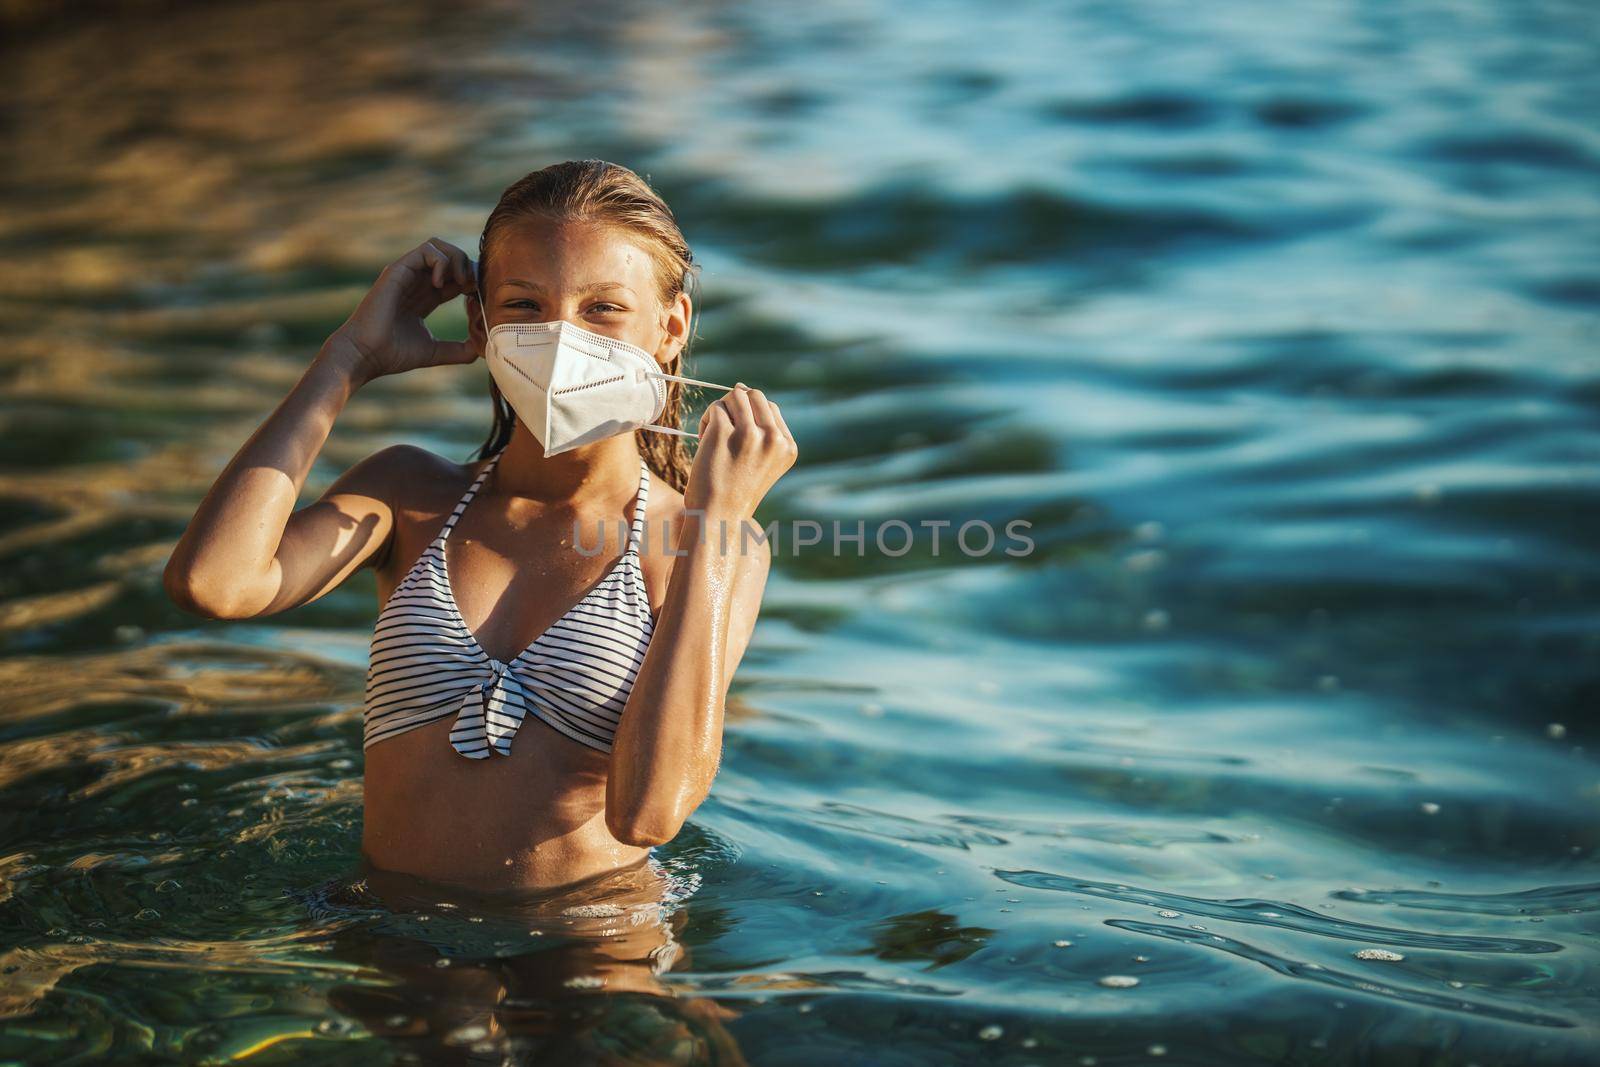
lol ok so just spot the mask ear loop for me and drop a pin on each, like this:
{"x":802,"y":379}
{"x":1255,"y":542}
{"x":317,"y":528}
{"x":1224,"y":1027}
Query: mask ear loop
{"x":689,"y":381}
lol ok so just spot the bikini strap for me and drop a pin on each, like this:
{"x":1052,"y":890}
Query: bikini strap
{"x":466,"y":498}
{"x":640,"y":503}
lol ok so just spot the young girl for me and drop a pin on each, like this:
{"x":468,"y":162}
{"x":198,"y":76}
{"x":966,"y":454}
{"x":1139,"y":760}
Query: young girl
{"x":538,"y":712}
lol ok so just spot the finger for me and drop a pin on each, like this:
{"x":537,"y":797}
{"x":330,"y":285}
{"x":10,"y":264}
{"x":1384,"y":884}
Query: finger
{"x":437,"y":262}
{"x":457,"y":258}
{"x":715,"y":420}
{"x":761,"y":410}
{"x":777,"y":416}
{"x":453,"y":352}
{"x":737,"y":401}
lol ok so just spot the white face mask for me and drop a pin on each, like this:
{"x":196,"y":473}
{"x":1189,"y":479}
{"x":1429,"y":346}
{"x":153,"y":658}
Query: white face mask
{"x":571,"y":386}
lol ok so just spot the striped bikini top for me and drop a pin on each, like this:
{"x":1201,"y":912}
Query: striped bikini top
{"x":425,"y":665}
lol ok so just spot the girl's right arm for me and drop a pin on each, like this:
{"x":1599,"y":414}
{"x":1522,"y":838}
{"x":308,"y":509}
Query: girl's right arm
{"x":247,"y":551}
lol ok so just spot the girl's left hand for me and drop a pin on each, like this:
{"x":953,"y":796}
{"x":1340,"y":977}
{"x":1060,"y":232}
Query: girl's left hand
{"x":745,"y":447}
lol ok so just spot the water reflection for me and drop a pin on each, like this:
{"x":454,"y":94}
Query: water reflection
{"x":1280,"y":331}
{"x":575,"y":975}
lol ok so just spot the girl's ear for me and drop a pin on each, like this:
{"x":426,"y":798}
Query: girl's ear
{"x":477,"y":331}
{"x":675,"y":330}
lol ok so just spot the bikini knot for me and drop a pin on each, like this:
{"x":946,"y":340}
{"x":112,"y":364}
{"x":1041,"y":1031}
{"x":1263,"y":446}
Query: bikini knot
{"x":489,"y":714}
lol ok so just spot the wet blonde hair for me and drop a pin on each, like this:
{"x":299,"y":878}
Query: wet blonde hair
{"x":608,"y":194}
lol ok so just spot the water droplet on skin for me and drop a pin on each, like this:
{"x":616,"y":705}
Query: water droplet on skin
{"x":990,"y":1033}
{"x":1119,"y":981}
{"x":1382,"y":954}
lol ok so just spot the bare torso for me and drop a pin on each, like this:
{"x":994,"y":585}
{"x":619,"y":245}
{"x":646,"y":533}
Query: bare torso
{"x":534,"y":818}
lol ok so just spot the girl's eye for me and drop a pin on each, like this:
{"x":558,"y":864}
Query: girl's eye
{"x":602,"y":308}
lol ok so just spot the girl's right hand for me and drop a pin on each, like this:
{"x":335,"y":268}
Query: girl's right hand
{"x":386,"y":333}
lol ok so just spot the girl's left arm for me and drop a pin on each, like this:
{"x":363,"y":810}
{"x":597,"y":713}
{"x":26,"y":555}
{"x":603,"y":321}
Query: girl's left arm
{"x":668,"y":744}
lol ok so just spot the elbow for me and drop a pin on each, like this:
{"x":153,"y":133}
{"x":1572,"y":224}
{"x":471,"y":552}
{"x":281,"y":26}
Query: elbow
{"x":644,"y":832}
{"x":195,"y":597}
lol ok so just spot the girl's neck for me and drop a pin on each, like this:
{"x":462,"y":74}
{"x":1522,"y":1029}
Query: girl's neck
{"x":599,"y":471}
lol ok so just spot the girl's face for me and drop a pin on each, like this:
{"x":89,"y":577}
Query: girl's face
{"x":542,"y":270}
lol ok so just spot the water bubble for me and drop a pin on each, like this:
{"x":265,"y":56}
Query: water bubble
{"x":1155,"y":620}
{"x":1157,"y":1050}
{"x":872,"y":711}
{"x":1428,"y":807}
{"x":1378,"y":954}
{"x":1328,"y":683}
{"x":1062,"y":943}
{"x":1428,"y":492}
{"x":167,"y":885}
{"x":395,"y":1022}
{"x":442,"y":961}
{"x":584,"y":981}
{"x":1141,"y":959}
{"x":1555,"y":731}
{"x":990,"y":1033}
{"x":148,"y":914}
{"x":1119,"y":981}
{"x":1170,"y":914}
{"x":1144,"y":560}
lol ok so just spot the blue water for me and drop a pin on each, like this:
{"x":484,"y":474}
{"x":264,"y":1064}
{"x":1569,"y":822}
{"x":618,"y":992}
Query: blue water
{"x":1279,"y":325}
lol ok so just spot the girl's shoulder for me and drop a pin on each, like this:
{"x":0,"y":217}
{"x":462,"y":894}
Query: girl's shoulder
{"x":420,"y":487}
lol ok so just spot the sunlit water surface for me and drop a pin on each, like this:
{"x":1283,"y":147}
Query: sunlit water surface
{"x":1279,"y":327}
